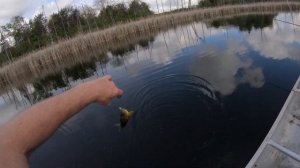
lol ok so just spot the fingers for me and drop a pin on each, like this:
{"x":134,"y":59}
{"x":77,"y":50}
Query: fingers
{"x":115,"y":91}
{"x":119,"y":93}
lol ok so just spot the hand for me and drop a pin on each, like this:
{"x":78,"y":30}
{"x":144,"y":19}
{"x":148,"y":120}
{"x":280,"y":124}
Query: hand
{"x":103,"y":90}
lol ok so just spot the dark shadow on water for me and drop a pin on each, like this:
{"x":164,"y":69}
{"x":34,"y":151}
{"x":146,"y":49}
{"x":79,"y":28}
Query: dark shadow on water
{"x":245,"y":23}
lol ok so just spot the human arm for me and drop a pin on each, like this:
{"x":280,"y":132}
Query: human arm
{"x":35,"y":125}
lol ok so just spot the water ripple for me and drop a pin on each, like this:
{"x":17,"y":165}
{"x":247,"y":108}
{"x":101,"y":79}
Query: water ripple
{"x":171,"y":91}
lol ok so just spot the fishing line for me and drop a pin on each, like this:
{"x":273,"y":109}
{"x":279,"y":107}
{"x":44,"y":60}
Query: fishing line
{"x":279,"y":87}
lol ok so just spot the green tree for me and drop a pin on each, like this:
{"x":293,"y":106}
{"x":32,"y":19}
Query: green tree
{"x":18,"y":29}
{"x":4,"y":46}
{"x":89,"y":16}
{"x":38,"y":33}
{"x":139,"y":9}
{"x":65,"y":23}
{"x":210,"y":3}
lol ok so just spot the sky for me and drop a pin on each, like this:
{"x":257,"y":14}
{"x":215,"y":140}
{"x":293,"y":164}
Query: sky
{"x":30,"y":8}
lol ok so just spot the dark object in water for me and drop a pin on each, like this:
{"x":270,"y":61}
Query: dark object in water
{"x":125,"y":116}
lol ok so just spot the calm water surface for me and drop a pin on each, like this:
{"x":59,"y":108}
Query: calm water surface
{"x":204,"y":95}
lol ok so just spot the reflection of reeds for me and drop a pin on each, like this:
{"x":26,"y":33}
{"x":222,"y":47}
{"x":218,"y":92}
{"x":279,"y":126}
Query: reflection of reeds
{"x":68,"y":52}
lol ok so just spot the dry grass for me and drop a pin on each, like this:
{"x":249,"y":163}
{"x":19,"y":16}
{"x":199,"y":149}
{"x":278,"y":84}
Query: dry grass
{"x":69,"y":52}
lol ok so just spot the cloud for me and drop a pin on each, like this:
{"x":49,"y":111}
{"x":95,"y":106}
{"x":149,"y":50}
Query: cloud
{"x":51,"y":7}
{"x":11,"y":8}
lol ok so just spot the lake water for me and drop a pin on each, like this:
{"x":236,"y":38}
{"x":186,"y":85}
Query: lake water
{"x":204,"y":95}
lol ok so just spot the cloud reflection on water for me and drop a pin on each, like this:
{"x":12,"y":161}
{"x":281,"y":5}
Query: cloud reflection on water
{"x":280,"y":41}
{"x":226,"y":68}
{"x":168,"y":44}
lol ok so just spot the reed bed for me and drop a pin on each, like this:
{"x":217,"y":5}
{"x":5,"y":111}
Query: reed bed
{"x":66,"y":53}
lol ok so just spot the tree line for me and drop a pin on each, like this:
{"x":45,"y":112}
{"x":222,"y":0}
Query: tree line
{"x":19,"y":37}
{"x":211,"y":3}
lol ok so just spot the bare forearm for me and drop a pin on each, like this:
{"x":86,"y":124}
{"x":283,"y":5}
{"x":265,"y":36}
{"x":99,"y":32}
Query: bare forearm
{"x":41,"y":120}
{"x":36,"y":124}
